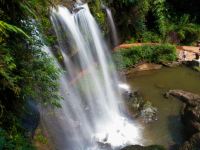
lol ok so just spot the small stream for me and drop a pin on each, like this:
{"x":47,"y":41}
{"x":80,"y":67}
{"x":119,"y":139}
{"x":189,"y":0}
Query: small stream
{"x":167,"y":130}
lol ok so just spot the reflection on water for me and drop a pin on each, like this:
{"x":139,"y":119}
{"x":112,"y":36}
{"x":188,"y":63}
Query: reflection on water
{"x":152,"y":84}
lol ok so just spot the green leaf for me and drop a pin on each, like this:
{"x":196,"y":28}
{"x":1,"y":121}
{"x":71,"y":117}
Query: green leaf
{"x":8,"y":27}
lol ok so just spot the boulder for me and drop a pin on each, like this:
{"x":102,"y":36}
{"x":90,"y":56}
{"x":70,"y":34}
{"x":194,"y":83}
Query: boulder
{"x":141,"y":67}
{"x":141,"y":109}
{"x":147,"y":66}
{"x":190,"y":117}
{"x":192,"y":144}
{"x":190,"y":99}
{"x":125,"y":90}
{"x":148,"y":112}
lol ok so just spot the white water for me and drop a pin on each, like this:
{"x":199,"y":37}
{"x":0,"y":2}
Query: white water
{"x":112,"y":26}
{"x":92,"y":110}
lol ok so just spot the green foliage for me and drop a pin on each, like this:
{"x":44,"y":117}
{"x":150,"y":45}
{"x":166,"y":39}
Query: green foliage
{"x":157,"y":20}
{"x":142,"y":7}
{"x":190,"y":7}
{"x":5,"y":27}
{"x":150,"y":37}
{"x":25,"y":69}
{"x":40,"y":79}
{"x":14,"y":142}
{"x":131,"y":40}
{"x":41,"y":138}
{"x":7,"y":66}
{"x":126,"y":2}
{"x":99,"y":14}
{"x":184,"y":32}
{"x":126,"y":58}
{"x":159,"y":10}
{"x":132,"y":16}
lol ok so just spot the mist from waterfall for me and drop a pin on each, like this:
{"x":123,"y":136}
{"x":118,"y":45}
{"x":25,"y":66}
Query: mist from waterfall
{"x":92,"y":107}
{"x":115,"y":39}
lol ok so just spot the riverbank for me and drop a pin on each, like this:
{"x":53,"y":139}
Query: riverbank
{"x":136,"y":57}
{"x":190,"y":50}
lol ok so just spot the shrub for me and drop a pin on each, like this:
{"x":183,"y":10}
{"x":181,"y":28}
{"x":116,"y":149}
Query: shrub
{"x":131,"y":40}
{"x":15,"y":141}
{"x":126,"y":58}
{"x":184,"y":31}
{"x":150,"y":37}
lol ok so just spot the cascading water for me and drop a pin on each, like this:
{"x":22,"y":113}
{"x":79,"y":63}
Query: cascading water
{"x":112,"y":26}
{"x":92,"y":109}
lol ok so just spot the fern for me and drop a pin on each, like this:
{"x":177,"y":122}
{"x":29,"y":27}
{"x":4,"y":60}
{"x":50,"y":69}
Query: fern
{"x":26,"y":8}
{"x":4,"y":27}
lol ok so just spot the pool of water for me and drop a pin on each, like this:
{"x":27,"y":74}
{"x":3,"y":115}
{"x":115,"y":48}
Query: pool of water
{"x":167,"y":130}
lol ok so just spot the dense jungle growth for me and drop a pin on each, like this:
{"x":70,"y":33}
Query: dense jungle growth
{"x":26,"y":71}
{"x":154,"y":20}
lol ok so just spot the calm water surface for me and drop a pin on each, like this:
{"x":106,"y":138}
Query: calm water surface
{"x":152,"y":84}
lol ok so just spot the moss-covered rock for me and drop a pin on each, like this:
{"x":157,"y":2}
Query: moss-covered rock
{"x":190,"y":118}
{"x":141,"y":109}
{"x":196,"y":68}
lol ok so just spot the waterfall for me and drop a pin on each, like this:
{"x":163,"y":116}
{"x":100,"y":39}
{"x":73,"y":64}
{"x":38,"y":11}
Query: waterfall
{"x":112,"y":26}
{"x":92,"y":110}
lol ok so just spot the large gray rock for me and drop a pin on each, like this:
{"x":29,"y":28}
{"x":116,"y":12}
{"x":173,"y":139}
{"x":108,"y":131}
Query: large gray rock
{"x":190,"y":99}
{"x":141,"y":109}
{"x":190,"y":118}
{"x":192,"y":144}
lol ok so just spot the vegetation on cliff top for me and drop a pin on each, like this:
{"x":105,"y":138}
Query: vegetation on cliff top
{"x":127,"y":58}
{"x":154,"y":20}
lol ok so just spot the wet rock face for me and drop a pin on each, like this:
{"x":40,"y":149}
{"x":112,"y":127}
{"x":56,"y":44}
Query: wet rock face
{"x":190,"y":117}
{"x":138,"y":147}
{"x":105,"y":146}
{"x":149,"y":114}
{"x":190,"y":99}
{"x":171,"y":64}
{"x":140,"y":108}
{"x":125,"y":91}
{"x":30,"y":118}
{"x":192,"y":144}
